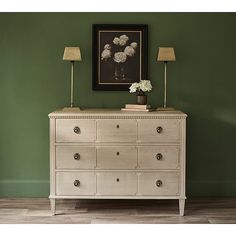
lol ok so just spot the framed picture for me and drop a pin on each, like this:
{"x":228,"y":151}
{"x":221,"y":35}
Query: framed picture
{"x":119,"y":56}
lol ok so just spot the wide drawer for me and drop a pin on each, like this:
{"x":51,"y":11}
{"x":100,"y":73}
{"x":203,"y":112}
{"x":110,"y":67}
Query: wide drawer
{"x":75,"y":130}
{"x":158,"y":157}
{"x":75,"y":183}
{"x":164,"y":184}
{"x":116,"y":183}
{"x":159,"y":130}
{"x":116,"y":130}
{"x":116,"y":157}
{"x":75,"y":157}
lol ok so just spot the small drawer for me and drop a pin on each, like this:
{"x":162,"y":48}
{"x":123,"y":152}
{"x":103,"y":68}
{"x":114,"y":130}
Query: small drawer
{"x":158,"y":157}
{"x":116,"y":157}
{"x":116,"y":183}
{"x":75,"y":130}
{"x":117,"y":130}
{"x":159,"y":184}
{"x":75,"y":183}
{"x":159,"y":130}
{"x":75,"y":157}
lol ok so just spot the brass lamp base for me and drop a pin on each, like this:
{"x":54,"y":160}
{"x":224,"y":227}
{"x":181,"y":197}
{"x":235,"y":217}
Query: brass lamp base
{"x":71,"y":109}
{"x":165,"y":109}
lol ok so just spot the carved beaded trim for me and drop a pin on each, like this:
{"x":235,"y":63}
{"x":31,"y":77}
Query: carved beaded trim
{"x":117,"y":117}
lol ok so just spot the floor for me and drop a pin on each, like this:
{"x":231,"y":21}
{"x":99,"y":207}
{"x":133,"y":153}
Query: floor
{"x":197,"y":211}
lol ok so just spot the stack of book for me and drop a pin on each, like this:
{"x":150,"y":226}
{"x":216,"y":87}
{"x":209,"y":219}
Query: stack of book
{"x":136,"y":107}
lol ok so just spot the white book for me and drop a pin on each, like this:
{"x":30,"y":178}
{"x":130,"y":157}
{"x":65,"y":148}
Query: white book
{"x":137,"y":106}
{"x":139,"y":110}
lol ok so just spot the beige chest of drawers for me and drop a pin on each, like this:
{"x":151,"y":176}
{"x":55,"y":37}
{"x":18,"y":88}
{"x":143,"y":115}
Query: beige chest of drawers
{"x":112,"y":154}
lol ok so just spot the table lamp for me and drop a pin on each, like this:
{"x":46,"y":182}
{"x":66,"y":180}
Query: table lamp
{"x":165,"y":54}
{"x":72,"y":54}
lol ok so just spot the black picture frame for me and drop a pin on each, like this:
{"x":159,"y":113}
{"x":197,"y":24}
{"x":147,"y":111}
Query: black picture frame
{"x":111,"y":75}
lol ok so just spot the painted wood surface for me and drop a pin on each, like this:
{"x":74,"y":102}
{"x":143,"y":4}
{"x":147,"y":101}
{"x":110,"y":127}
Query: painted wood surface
{"x":121,"y":155}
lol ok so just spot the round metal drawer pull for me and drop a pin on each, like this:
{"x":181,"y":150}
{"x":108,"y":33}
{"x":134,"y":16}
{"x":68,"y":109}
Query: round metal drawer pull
{"x":117,"y":153}
{"x":77,"y":130}
{"x":158,"y":183}
{"x":77,"y":156}
{"x":159,"y":156}
{"x":117,"y":180}
{"x":117,"y":126}
{"x":76,"y":183}
{"x":159,"y":129}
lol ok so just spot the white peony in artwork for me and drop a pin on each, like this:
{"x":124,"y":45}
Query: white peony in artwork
{"x":134,"y":45}
{"x":116,"y":41}
{"x":107,"y":46}
{"x":129,"y":51}
{"x":123,"y":40}
{"x":124,"y":37}
{"x":106,"y":54}
{"x":143,"y":85}
{"x":120,"y":57}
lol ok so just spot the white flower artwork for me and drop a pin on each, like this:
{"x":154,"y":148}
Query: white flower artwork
{"x":119,"y":55}
{"x":122,"y":49}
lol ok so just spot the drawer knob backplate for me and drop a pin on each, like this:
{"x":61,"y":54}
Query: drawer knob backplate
{"x":76,"y":183}
{"x":159,"y":156}
{"x":77,"y":130}
{"x":77,"y":156}
{"x":159,"y":129}
{"x":158,"y":183}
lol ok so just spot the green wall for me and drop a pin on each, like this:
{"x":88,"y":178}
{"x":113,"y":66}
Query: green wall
{"x":35,"y":81}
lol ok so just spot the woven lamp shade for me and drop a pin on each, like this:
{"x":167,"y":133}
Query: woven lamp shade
{"x":166,"y":54}
{"x":72,"y":54}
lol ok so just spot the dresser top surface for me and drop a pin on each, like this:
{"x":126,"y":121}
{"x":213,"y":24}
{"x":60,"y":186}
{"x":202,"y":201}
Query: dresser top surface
{"x":113,"y":112}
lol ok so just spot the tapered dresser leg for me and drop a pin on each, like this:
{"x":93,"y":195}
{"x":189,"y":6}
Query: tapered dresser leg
{"x":53,"y":206}
{"x":181,"y":207}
